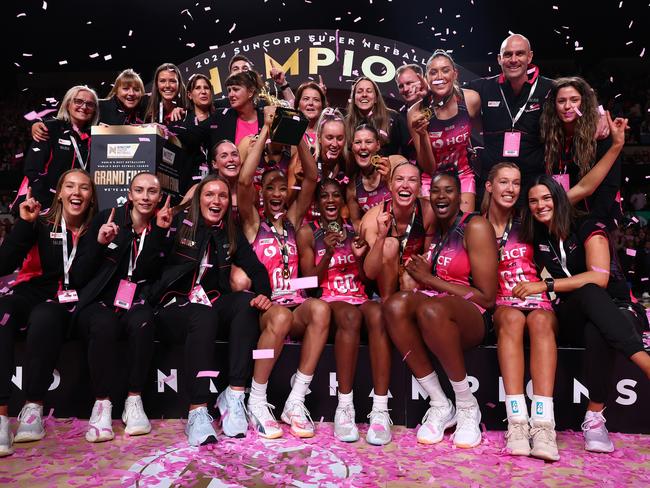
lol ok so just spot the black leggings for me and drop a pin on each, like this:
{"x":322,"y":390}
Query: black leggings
{"x":198,"y":326}
{"x":102,"y":327}
{"x":46,"y":324}
{"x":589,"y":317}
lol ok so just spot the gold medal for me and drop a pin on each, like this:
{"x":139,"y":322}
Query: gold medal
{"x":427,"y":113}
{"x":375,"y":160}
{"x":334,"y":227}
{"x":286,"y":274}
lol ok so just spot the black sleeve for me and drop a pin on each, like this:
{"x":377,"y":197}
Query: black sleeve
{"x":602,"y":203}
{"x":589,"y":227}
{"x":193,"y":135}
{"x":246,"y":259}
{"x":476,"y":85}
{"x":36,"y":159}
{"x":16,"y":246}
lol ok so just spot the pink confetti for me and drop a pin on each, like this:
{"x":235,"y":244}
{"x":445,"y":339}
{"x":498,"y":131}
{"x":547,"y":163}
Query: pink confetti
{"x":263,"y":354}
{"x":406,"y":355}
{"x":490,"y":405}
{"x":630,"y":252}
{"x":5,"y":319}
{"x":188,"y":222}
{"x":207,"y":374}
{"x":599,"y":270}
{"x":304,"y":283}
{"x":469,"y":295}
{"x":577,"y":111}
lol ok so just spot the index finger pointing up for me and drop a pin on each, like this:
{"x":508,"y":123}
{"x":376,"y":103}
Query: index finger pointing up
{"x":110,"y":217}
{"x":168,"y":201}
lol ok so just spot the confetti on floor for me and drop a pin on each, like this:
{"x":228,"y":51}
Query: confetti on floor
{"x":164,"y":459}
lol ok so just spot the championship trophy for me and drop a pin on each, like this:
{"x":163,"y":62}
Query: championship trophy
{"x":288,"y":125}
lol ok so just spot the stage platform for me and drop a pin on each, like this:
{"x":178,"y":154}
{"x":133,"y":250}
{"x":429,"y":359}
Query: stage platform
{"x":164,"y":395}
{"x":163,"y":459}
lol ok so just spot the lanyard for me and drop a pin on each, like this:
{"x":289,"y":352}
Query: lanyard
{"x":403,"y":239}
{"x":282,"y":245}
{"x":67,"y":259}
{"x":132,"y":261}
{"x":203,"y":266}
{"x":504,"y":237}
{"x":441,"y":245}
{"x":562,"y":257}
{"x":77,"y":152}
{"x":523,"y":107}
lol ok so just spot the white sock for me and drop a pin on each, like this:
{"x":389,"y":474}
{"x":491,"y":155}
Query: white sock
{"x":542,"y":409}
{"x":462,"y":391}
{"x":516,"y":408}
{"x":431,"y":385}
{"x":258,"y":392}
{"x":345,"y":399}
{"x":380,"y":402}
{"x":300,"y":386}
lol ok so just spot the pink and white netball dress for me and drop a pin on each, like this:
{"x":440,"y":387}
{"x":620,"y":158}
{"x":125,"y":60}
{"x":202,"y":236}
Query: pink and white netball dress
{"x":343,"y":282}
{"x":278,"y":252}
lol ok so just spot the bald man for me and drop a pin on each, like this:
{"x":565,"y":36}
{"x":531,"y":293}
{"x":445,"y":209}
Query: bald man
{"x":511,"y":105}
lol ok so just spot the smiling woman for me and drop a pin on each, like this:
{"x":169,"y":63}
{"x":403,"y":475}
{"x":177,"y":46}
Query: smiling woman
{"x":68,"y":145}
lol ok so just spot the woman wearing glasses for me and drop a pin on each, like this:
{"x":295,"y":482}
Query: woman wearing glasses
{"x":67,"y":147}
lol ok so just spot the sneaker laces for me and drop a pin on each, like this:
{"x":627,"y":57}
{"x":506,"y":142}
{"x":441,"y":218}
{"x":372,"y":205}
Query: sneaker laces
{"x":28,"y":413}
{"x":595,"y":421}
{"x":239,"y":409}
{"x":434,"y":411}
{"x":96,"y":414}
{"x":302,"y":411}
{"x":465,"y":414}
{"x":266,"y":408}
{"x":348,"y":412}
{"x":134,"y":409}
{"x":200,"y":416}
{"x":544,"y":431}
{"x":383,"y":414}
{"x":516,"y":430}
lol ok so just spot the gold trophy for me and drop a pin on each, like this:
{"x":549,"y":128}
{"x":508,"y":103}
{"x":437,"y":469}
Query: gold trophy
{"x":288,"y":125}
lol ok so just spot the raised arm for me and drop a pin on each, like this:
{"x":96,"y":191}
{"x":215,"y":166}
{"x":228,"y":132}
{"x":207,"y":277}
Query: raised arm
{"x":418,"y":128}
{"x":375,"y":233}
{"x":305,"y":196}
{"x":594,"y":178}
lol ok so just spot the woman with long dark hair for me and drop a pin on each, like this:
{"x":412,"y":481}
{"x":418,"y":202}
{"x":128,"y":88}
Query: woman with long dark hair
{"x":43,"y":296}
{"x":569,"y":125}
{"x":594,"y":306}
{"x":330,"y":249}
{"x":196,"y":305}
{"x":273,"y":237}
{"x":461,"y":278}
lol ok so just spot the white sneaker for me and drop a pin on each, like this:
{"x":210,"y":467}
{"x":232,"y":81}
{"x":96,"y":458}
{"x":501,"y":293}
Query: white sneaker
{"x":234,"y":421}
{"x":544,"y":440}
{"x":199,"y":429}
{"x":518,"y":438}
{"x":297,"y":416}
{"x":134,"y":416}
{"x":379,"y":431}
{"x":263,"y":420}
{"x":30,"y":423}
{"x":345,"y":427}
{"x":596,"y":434}
{"x":468,"y":424}
{"x":100,"y":425}
{"x":434,"y":423}
{"x":6,"y":437}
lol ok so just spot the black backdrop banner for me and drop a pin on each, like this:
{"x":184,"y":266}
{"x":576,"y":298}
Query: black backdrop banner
{"x":339,"y":57}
